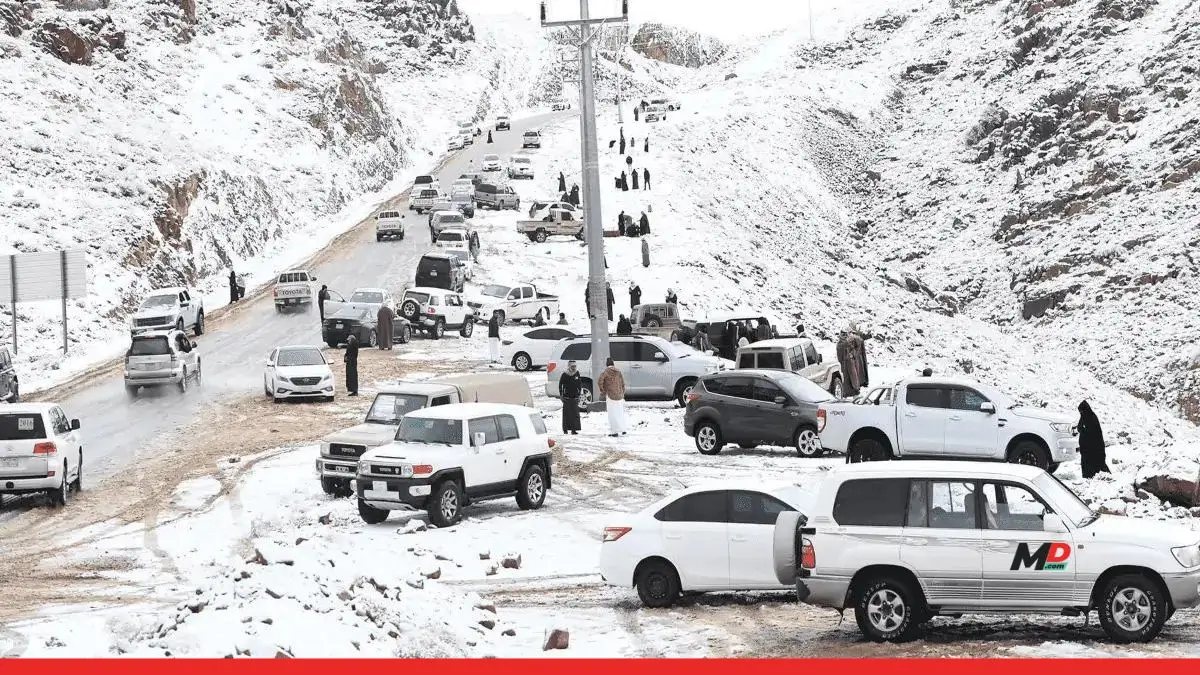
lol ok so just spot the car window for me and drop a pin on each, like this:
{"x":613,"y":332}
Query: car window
{"x":539,"y":423}
{"x":746,"y":360}
{"x":714,"y":385}
{"x":150,"y":346}
{"x":21,"y":427}
{"x":508,"y":427}
{"x":440,"y":400}
{"x":701,"y":507}
{"x":454,"y":301}
{"x":754,"y":508}
{"x":515,"y":294}
{"x":1012,"y":507}
{"x":423,"y":430}
{"x":925,"y":396}
{"x":541,"y":334}
{"x":766,"y":391}
{"x":738,"y":387}
{"x":963,"y":398}
{"x":871,"y":502}
{"x":951,"y":505}
{"x":560,"y":333}
{"x":578,"y":351}
{"x":810,"y":353}
{"x":648,"y":352}
{"x":796,"y":358}
{"x":487,"y":425}
{"x":622,"y":351}
{"x":771,"y":360}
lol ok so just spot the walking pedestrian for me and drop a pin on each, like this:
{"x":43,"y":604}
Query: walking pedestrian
{"x":383,"y":327}
{"x":624,"y":185}
{"x":562,"y":319}
{"x":635,"y":296}
{"x":612,"y":387}
{"x":233,"y":287}
{"x":860,"y":345}
{"x":671,"y":297}
{"x":635,"y":114}
{"x":351,"y":359}
{"x":623,"y":326}
{"x":847,"y":355}
{"x":608,"y":289}
{"x":322,"y":296}
{"x":645,"y":223}
{"x":489,"y":140}
{"x":1092,"y":457}
{"x":494,"y":337}
{"x":562,"y":182}
{"x":621,"y":224}
{"x":635,"y":179}
{"x":646,"y":145}
{"x":645,"y":253}
{"x":570,"y":387}
{"x":646,"y":178}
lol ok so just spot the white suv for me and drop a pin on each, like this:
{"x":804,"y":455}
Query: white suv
{"x":902,"y":542}
{"x":446,"y":457}
{"x":40,"y":451}
{"x":433,"y":310}
{"x":178,"y":308}
{"x":161,"y":358}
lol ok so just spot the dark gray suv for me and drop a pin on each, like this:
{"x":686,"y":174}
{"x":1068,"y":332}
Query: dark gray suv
{"x":753,"y":408}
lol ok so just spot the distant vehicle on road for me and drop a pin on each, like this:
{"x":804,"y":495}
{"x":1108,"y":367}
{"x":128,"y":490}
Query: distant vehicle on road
{"x":438,"y":269}
{"x":654,"y":113}
{"x":371,"y":299}
{"x":464,"y":201}
{"x":496,"y":196}
{"x":667,"y":103}
{"x":41,"y":450}
{"x":177,"y":307}
{"x":424,"y":182}
{"x":531,"y":139}
{"x":560,"y":105}
{"x":491,"y":163}
{"x":456,"y":143}
{"x":294,"y":288}
{"x":520,"y":166}
{"x":298,"y":371}
{"x":555,"y":222}
{"x":422,"y":200}
{"x":502,"y":123}
{"x":654,"y":369}
{"x":389,"y":225}
{"x":161,"y":358}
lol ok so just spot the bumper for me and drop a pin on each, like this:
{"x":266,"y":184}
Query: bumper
{"x":531,"y":145}
{"x":1184,"y":589}
{"x":138,"y":330}
{"x":328,"y":467}
{"x":13,"y":485}
{"x":294,"y":301}
{"x":304,"y":391}
{"x":1067,"y":450}
{"x":152,"y":378}
{"x":339,"y":336}
{"x":491,"y":168}
{"x":615,"y":569}
{"x":821,"y":592}
{"x":390,"y":232}
{"x":394,"y":494}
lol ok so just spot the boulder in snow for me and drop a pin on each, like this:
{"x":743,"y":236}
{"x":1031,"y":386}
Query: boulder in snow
{"x":557,"y":639}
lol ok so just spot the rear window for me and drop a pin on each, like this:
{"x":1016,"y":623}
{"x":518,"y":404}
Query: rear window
{"x":579,"y":351}
{"x":872,"y":502}
{"x":531,"y":133}
{"x":21,"y":427}
{"x":388,"y":214}
{"x":746,"y":361}
{"x":149,"y":346}
{"x":520,"y":160}
{"x":429,"y":193}
{"x":293,"y":277}
{"x":771,"y":360}
{"x":421,"y":180}
{"x":428,"y":264}
{"x":419,"y":297}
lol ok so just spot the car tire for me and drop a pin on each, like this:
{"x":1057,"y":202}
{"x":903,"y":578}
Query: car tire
{"x":410,"y":309}
{"x":835,"y":387}
{"x":807,"y":442}
{"x":585,"y":394}
{"x":15,"y":396}
{"x":199,"y":327}
{"x":405,"y":335}
{"x":531,"y":488}
{"x":402,"y":235}
{"x":467,"y":328}
{"x":867,"y":449}
{"x":445,"y":504}
{"x":373,"y":338}
{"x":540,"y":236}
{"x":657,"y":584}
{"x":370,"y":514}
{"x":439,"y":329}
{"x":332,"y":344}
{"x":379,"y":237}
{"x":338,"y":487}
{"x":60,"y":495}
{"x":708,"y":438}
{"x":77,"y":485}
{"x":654,"y":322}
{"x":886,"y":610}
{"x":682,"y":389}
{"x":1030,"y":453}
{"x":1132,"y":608}
{"x":522,"y":362}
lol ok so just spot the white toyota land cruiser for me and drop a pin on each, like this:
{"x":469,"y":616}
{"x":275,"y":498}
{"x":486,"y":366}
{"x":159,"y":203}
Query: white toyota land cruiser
{"x":902,"y":542}
{"x":446,"y":457}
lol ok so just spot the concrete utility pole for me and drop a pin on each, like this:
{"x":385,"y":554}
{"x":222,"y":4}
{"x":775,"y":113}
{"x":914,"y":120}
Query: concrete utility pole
{"x":597,"y":291}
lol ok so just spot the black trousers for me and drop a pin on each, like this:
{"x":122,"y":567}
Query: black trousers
{"x":352,"y":377}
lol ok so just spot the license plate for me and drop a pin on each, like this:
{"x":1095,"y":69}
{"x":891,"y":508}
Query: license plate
{"x":338,"y":325}
{"x":433,"y":273}
{"x":8,"y":462}
{"x":339,"y":469}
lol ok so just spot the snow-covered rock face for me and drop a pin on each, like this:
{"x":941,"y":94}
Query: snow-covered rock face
{"x":677,"y":46}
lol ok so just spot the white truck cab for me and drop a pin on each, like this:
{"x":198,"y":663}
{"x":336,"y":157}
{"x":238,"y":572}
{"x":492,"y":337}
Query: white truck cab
{"x":389,"y":225}
{"x":294,"y":288}
{"x":902,"y":542}
{"x":176,"y":307}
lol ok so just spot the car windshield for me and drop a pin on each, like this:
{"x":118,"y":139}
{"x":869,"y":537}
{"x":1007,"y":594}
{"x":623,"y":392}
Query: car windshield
{"x":520,"y":160}
{"x":150,"y":346}
{"x":450,"y":218}
{"x":496,"y":291}
{"x":804,"y":389}
{"x":21,"y":427}
{"x":369,"y":297}
{"x":422,"y":430}
{"x":1069,"y":504}
{"x":389,"y":408}
{"x":300,"y":357}
{"x":491,"y":158}
{"x":157,"y":301}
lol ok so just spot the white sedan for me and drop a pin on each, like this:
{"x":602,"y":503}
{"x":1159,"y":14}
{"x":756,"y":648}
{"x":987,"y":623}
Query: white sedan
{"x":709,"y":538}
{"x":456,"y":143}
{"x":491,"y":163}
{"x":532,"y":348}
{"x":298,"y":371}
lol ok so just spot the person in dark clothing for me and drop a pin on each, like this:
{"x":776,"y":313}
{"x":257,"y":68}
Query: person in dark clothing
{"x":623,"y":326}
{"x":351,"y":359}
{"x":587,"y":300}
{"x":629,"y":161}
{"x":928,"y":372}
{"x":1092,"y":457}
{"x":611,"y":143}
{"x":233,"y":287}
{"x":645,"y":253}
{"x":494,"y":337}
{"x":763,"y":331}
{"x":671,"y":297}
{"x":635,"y":295}
{"x":621,"y":224}
{"x":799,"y":330}
{"x":646,"y":145}
{"x":608,"y":288}
{"x":562,"y":319}
{"x":565,"y":197}
{"x":562,"y":182}
{"x":635,"y":114}
{"x":635,"y":179}
{"x":570,"y":386}
{"x":646,"y":178}
{"x":489,"y":140}
{"x":575,"y":195}
{"x":645,"y":223}
{"x":624,"y":184}
{"x":622,"y":145}
{"x":322,"y":296}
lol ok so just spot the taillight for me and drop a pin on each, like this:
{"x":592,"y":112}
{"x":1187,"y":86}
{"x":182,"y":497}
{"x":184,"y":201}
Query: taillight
{"x":820,"y":420}
{"x":615,"y":533}
{"x":551,"y":367}
{"x":692,"y":396}
{"x":422,"y":469}
{"x":47,"y":448}
{"x":429,"y":311}
{"x":808,"y":554}
{"x":550,"y":443}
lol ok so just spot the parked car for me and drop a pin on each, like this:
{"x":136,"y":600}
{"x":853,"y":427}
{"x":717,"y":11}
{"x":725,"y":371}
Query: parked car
{"x":389,"y":225}
{"x":10,"y":386}
{"x":657,"y":318}
{"x":462,"y":253}
{"x":466,"y":130}
{"x":456,"y":143}
{"x":502,"y":123}
{"x":532,"y":347}
{"x":948,"y":418}
{"x":424,"y":182}
{"x":515,"y":302}
{"x":294,"y":288}
{"x":41,"y":450}
{"x":161,"y":358}
{"x":716,"y":326}
{"x":340,"y":451}
{"x":370,"y":299}
{"x":520,"y":166}
{"x":531,"y":139}
{"x":654,"y":113}
{"x":438,"y":269}
{"x":297,"y":371}
{"x":476,"y":177}
{"x":494,"y":196}
{"x":464,"y":202}
{"x":451,"y":456}
{"x":902,"y":542}
{"x":670,"y":104}
{"x":432,"y":310}
{"x":422,"y":200}
{"x":560,"y":105}
{"x":753,"y":408}
{"x":452,"y":219}
{"x":177,"y":307}
{"x":653,"y":368}
{"x":705,"y":538}
{"x":363,"y":323}
{"x":491,"y":162}
{"x":555,"y":222}
{"x":798,"y":355}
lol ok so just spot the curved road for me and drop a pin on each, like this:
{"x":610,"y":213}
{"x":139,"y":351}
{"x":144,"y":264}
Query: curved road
{"x":236,"y":344}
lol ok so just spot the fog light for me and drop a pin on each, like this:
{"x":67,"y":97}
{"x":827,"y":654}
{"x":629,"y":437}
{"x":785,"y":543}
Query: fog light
{"x":419,"y":490}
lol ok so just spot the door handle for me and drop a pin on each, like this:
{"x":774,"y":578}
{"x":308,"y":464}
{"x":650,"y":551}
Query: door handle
{"x":672,"y":536}
{"x":954,"y":418}
{"x":636,"y":365}
{"x":916,"y":541}
{"x":1001,"y":422}
{"x":910,"y":414}
{"x":996,"y":543}
{"x":737,"y":538}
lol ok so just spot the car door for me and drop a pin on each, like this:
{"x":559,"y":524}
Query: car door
{"x":1023,"y":565}
{"x":66,"y":438}
{"x":942,"y":541}
{"x":653,"y":370}
{"x":269,"y":371}
{"x":185,"y":309}
{"x":695,"y":539}
{"x":624,"y":356}
{"x":776,"y":421}
{"x":923,"y":419}
{"x":751,"y":532}
{"x":510,"y":442}
{"x":6,"y":375}
{"x":970,"y":432}
{"x":455,"y":310}
{"x":334,"y":302}
{"x":488,"y":462}
{"x":735,"y":402}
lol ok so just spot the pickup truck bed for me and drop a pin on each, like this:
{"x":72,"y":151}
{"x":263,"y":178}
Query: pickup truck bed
{"x":540,"y":230}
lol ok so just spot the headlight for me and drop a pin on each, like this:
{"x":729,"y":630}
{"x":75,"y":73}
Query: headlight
{"x":362,"y":467}
{"x":1188,"y":556}
{"x":326,"y":377}
{"x":1061,"y":427}
{"x":284,"y":379}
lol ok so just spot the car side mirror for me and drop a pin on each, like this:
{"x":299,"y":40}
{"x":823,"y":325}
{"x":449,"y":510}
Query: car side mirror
{"x":314,"y":278}
{"x":478,"y":439}
{"x":185,"y":304}
{"x":1052,"y":522}
{"x":268,"y":362}
{"x":660,"y":356}
{"x":987,"y":407}
{"x":781,"y":400}
{"x":74,"y":425}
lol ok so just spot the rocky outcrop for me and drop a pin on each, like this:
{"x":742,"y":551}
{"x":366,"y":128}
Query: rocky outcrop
{"x":677,"y":46}
{"x":77,"y":42}
{"x":16,"y":17}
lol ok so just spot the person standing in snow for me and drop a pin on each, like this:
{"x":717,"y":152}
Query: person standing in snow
{"x":645,"y":223}
{"x":671,"y":297}
{"x":322,"y":296}
{"x":621,"y":146}
{"x":570,"y":386}
{"x":494,"y":337}
{"x":351,"y":360}
{"x":646,"y":145}
{"x":646,"y":179}
{"x":800,"y":330}
{"x":623,"y":326}
{"x":575,"y":195}
{"x":629,"y":161}
{"x":562,"y":182}
{"x":383,"y":327}
{"x":763,"y":331}
{"x":233,"y":287}
{"x":624,"y":185}
{"x":635,"y":296}
{"x":635,"y":179}
{"x":635,"y":114}
{"x":860,"y":345}
{"x":645,"y":253}
{"x":608,"y":289}
{"x":1092,"y":457}
{"x":612,"y":386}
{"x":489,"y":140}
{"x":847,"y":355}
{"x":587,"y":300}
{"x":621,"y":224}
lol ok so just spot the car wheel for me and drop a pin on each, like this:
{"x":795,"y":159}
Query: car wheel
{"x":338,"y":488}
{"x":445,"y":505}
{"x":531,"y":493}
{"x":522,"y":362}
{"x":540,"y":236}
{"x":885,"y":610}
{"x":332,"y":344}
{"x":467,"y":328}
{"x":585,"y":394}
{"x":657,"y":584}
{"x":654,"y":322}
{"x":379,"y":237}
{"x":199,"y":374}
{"x":439,"y":329}
{"x":1132,"y":609}
{"x":59,"y":496}
{"x":807,"y":442}
{"x":1030,"y":453}
{"x":708,"y":438}
{"x":183,"y":382}
{"x":867,"y":450}
{"x":200,"y":323}
{"x":405,"y":335}
{"x":683,"y":390}
{"x":835,"y":387}
{"x":78,"y":484}
{"x":402,"y":235}
{"x":410,"y":309}
{"x":370,"y":514}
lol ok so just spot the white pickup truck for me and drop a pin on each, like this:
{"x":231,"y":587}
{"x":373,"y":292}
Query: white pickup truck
{"x":294,"y":288}
{"x":165,"y":308}
{"x":553,"y":222}
{"x":516,"y":302}
{"x":946,"y":418}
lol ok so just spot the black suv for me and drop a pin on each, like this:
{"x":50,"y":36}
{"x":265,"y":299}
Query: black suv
{"x":9,"y":387}
{"x":752,"y":408}
{"x":441,"y":270}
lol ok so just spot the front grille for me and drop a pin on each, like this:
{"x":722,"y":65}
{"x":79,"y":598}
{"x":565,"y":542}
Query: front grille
{"x":379,"y":470}
{"x":153,"y":321}
{"x":305,"y":381}
{"x":344,"y":450}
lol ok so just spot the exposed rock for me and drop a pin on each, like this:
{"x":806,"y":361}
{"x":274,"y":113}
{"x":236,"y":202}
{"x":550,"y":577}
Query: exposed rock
{"x":511,"y":561}
{"x":435,"y":573}
{"x":677,"y":46}
{"x":509,"y":632}
{"x":487,"y":623}
{"x":16,"y":16}
{"x":325,"y":519}
{"x":1037,"y":306}
{"x":730,"y":76}
{"x":65,"y":43}
{"x":179,"y":194}
{"x":1176,"y":491}
{"x":487,"y":607}
{"x":416,"y":583}
{"x":557,"y":639}
{"x":485,"y":555}
{"x":273,"y":593}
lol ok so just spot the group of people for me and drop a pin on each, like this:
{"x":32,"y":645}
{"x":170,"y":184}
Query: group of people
{"x":627,"y":228}
{"x":610,"y":384}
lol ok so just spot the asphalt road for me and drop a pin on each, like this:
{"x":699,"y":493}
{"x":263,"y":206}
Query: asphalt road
{"x":233,"y":350}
